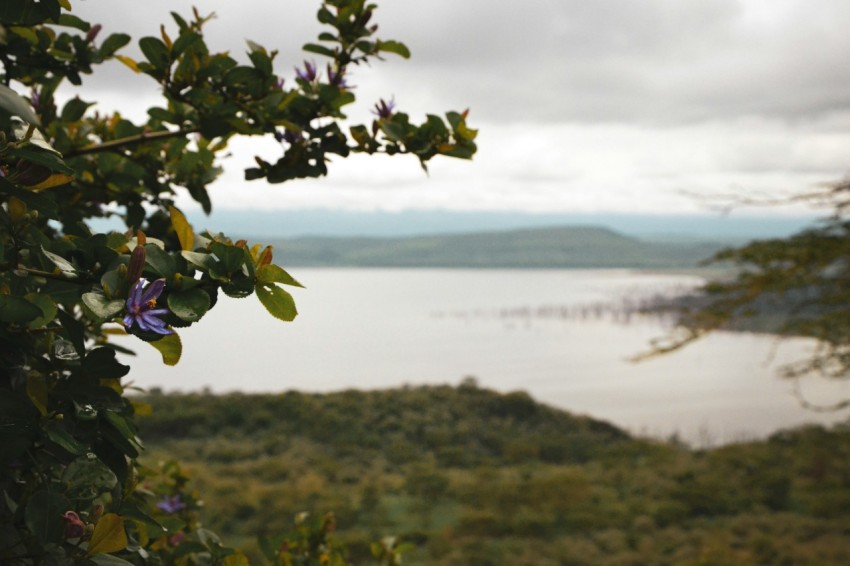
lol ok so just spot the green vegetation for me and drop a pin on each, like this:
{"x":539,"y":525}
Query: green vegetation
{"x":469,"y":476}
{"x":561,"y":247}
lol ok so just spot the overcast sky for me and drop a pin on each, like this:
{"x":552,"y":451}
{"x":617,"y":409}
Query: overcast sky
{"x":582,"y":106}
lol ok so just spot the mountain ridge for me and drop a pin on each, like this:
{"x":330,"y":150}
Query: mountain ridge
{"x":523,"y":248}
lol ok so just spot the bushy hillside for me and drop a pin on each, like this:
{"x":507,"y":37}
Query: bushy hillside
{"x":470,"y":476}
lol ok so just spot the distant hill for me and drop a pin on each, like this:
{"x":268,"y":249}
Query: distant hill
{"x":735,"y":228}
{"x":556,"y":247}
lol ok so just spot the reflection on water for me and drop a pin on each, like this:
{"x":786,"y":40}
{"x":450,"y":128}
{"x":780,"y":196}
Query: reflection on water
{"x":552,"y":333}
{"x":622,"y":310}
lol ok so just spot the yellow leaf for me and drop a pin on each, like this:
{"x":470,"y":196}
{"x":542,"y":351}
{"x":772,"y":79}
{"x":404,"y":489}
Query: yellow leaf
{"x":183,"y":229}
{"x":17,"y":209}
{"x":108,"y":535}
{"x":65,"y":4}
{"x":141,"y":409}
{"x":237,"y":559}
{"x":53,"y":181}
{"x":129,"y":62}
{"x":37,"y":392}
{"x":170,"y":347}
{"x":165,"y":38}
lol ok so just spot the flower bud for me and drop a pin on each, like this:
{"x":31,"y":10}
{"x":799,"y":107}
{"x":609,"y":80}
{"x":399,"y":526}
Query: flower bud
{"x":92,"y":33}
{"x":137,"y":264}
{"x":74,"y":526}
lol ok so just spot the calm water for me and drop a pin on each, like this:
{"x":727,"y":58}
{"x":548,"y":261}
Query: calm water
{"x":540,"y":331}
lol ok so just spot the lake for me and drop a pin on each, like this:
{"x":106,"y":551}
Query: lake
{"x":558,"y":334}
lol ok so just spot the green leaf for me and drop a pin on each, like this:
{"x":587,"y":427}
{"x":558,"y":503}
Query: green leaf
{"x":14,"y":104}
{"x":189,"y":305}
{"x":47,"y":307}
{"x":122,"y":425}
{"x":56,"y":433}
{"x":230,"y":258}
{"x":156,"y":52}
{"x":18,"y":310}
{"x":319,"y":49}
{"x":200,"y":260}
{"x":63,"y":264}
{"x":102,"y":307}
{"x":240,"y":286}
{"x":74,"y":329}
{"x":37,"y":391}
{"x":108,"y":535}
{"x":181,"y":23}
{"x":71,"y":21}
{"x":101,"y":363}
{"x":74,"y":109}
{"x":41,"y":153}
{"x":113,"y":43}
{"x":121,"y":435}
{"x":170,"y":347}
{"x":186,"y":40}
{"x":395,"y":131}
{"x":44,"y":203}
{"x":275,"y":274}
{"x":88,"y":477}
{"x":394,"y":47}
{"x":43,"y":516}
{"x":109,"y":560}
{"x":278,"y":302}
{"x":112,"y":281}
{"x":261,"y":60}
{"x":160,"y":261}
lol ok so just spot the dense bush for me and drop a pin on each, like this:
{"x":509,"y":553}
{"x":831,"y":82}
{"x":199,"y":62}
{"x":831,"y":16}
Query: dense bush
{"x":782,"y":500}
{"x":72,"y":487}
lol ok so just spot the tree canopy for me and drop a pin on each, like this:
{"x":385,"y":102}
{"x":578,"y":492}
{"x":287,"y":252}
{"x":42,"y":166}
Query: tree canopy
{"x":797,"y":286}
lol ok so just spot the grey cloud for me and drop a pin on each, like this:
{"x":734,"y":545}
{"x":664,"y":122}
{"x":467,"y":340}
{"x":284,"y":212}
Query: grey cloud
{"x":658,"y":62}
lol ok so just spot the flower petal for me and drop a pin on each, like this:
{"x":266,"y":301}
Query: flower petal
{"x":154,"y":290}
{"x":134,"y":299}
{"x":128,"y":321}
{"x":151,"y":323}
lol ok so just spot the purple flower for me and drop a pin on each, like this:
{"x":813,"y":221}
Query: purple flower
{"x":309,"y":72}
{"x":384,"y":109}
{"x":141,"y":309}
{"x":337,"y":78}
{"x":171,"y":504}
{"x":292,"y":137}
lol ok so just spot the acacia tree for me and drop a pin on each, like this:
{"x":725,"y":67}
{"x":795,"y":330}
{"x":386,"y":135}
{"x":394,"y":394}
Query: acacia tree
{"x":794,"y":287}
{"x":72,"y":488}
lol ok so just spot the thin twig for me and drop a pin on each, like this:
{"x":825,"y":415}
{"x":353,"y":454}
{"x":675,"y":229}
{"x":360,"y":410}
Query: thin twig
{"x":129,"y":141}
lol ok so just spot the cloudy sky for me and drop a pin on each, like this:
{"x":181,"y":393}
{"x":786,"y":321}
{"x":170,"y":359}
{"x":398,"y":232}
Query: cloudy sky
{"x":656,"y":106}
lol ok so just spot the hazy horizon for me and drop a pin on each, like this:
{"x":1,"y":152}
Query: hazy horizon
{"x":294,"y":223}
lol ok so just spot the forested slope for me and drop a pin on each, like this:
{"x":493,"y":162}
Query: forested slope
{"x":471,"y":476}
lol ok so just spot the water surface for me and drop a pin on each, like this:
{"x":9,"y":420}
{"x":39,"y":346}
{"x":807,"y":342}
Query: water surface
{"x":544,"y":332}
